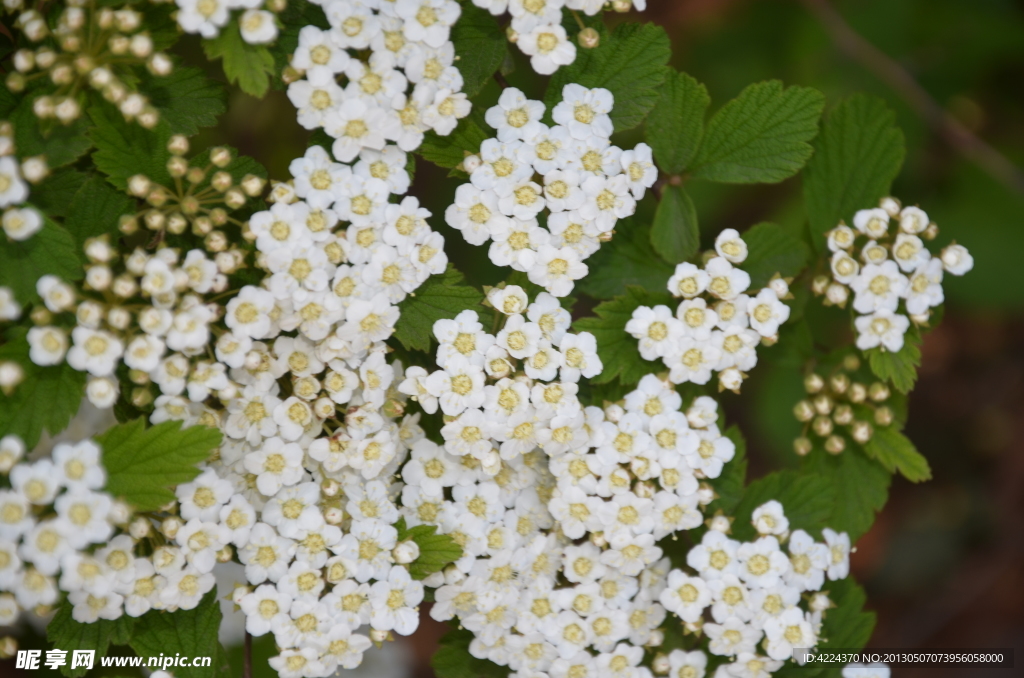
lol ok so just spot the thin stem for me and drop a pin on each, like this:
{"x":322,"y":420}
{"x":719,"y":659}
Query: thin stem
{"x":889,"y":71}
{"x":247,"y":660}
{"x":579,"y":21}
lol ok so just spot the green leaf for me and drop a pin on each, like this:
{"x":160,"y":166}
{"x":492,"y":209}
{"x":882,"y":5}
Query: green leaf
{"x":464,"y":140}
{"x":296,"y":16}
{"x":856,"y":157}
{"x":480,"y":47}
{"x":64,"y":633}
{"x":441,"y":296}
{"x":807,"y":500}
{"x":675,"y":125}
{"x":124,"y":150}
{"x":895,"y":452}
{"x":772,"y":249}
{"x":60,"y":144}
{"x":54,"y":194}
{"x":186,"y":98}
{"x":51,"y":251}
{"x":437,"y":551}
{"x":619,"y":351}
{"x":675,"y":234}
{"x":144,"y":463}
{"x":900,"y":368}
{"x":761,"y":136}
{"x":453,"y":660}
{"x":861,"y":488}
{"x":191,"y":633}
{"x":46,"y":399}
{"x":729,"y":485}
{"x":628,"y":259}
{"x":248,"y":66}
{"x":96,"y":209}
{"x":630,"y":62}
{"x":847,"y":625}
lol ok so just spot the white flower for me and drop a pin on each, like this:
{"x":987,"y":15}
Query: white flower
{"x":318,"y":55}
{"x":657,"y":330}
{"x":585,"y":111}
{"x":686,"y":596}
{"x":203,"y":497}
{"x":275,"y":464}
{"x":608,"y":199}
{"x":715,"y":556}
{"x":557,"y":269}
{"x":427,"y":21}
{"x":732,"y":637}
{"x":688,"y":281}
{"x":462,"y":335}
{"x":692,"y":360}
{"x":882,"y":328}
{"x":769,"y":518}
{"x":687,"y":664}
{"x":475,"y":212}
{"x":841,"y":238}
{"x":21,"y":224}
{"x":95,"y":352}
{"x":873,"y":223}
{"x":519,"y":337}
{"x":10,"y":309}
{"x":13,"y":190}
{"x":878,"y":288}
{"x":909,"y":252}
{"x":47,"y":345}
{"x":516,"y":243}
{"x":913,"y":220}
{"x":726,"y":281}
{"x":501,"y":167}
{"x":356,"y":24}
{"x":267,"y":554}
{"x":200,"y":541}
{"x":579,"y":357}
{"x":344,"y":649}
{"x":839,"y":552}
{"x":263,"y":607}
{"x":808,"y":562}
{"x":925,"y":288}
{"x":393,"y":601}
{"x":788,"y":631}
{"x":844,"y":267}
{"x":88,"y":608}
{"x":257,"y":26}
{"x":639,"y":169}
{"x":186,"y":588}
{"x":731,"y":246}
{"x":767,"y":312}
{"x":515,"y":116}
{"x":203,"y":16}
{"x":358,"y":123}
{"x":548,"y":47}
{"x":957,"y":260}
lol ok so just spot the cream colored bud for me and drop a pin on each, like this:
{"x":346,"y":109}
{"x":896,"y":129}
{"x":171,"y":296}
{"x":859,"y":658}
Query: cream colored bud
{"x":406,"y":552}
{"x":884,"y":416}
{"x":220,"y":156}
{"x":234,"y":198}
{"x":178,"y":144}
{"x":253,"y":185}
{"x":324,"y":408}
{"x":11,"y":374}
{"x":216,"y":241}
{"x":803,"y":411}
{"x":822,"y":426}
{"x":843,"y":415}
{"x":177,"y":223}
{"x":177,"y":166}
{"x":334,"y":515}
{"x":589,"y":38}
{"x":160,"y":64}
{"x":140,"y":528}
{"x":835,"y":444}
{"x":119,"y":44}
{"x":858,"y":393}
{"x":141,"y":45}
{"x":803,"y":446}
{"x":660,"y":665}
{"x":878,"y":392}
{"x":170,"y":526}
{"x":813,"y":383}
{"x":820,"y":284}
{"x":839,"y":382}
{"x":221,"y":181}
{"x":139,"y":185}
{"x":861,"y":431}
{"x":823,"y":404}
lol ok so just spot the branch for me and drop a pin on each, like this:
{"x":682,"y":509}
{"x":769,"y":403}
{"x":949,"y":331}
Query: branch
{"x":889,"y":71}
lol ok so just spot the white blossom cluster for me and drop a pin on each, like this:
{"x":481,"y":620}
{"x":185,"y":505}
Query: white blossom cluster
{"x":754,"y":591}
{"x":90,"y":48}
{"x":207,"y":18}
{"x":569,"y":175}
{"x":407,"y":86}
{"x":898,"y":272}
{"x":19,"y":221}
{"x":717,"y":325}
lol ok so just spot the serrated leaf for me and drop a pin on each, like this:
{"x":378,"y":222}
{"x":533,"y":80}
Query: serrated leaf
{"x":847,"y":625}
{"x":248,"y":66}
{"x":96,"y":210}
{"x":59,"y":144}
{"x":54,"y":194}
{"x":453,"y":660}
{"x":856,"y":157}
{"x":772,"y":249}
{"x":124,"y":150}
{"x":628,"y":259}
{"x":807,"y":500}
{"x":186,"y":98}
{"x":51,"y":251}
{"x":675,"y":125}
{"x":480,"y":47}
{"x":64,"y":633}
{"x":46,"y":398}
{"x":729,"y":485}
{"x":437,"y":551}
{"x":451,"y":150}
{"x":761,"y":136}
{"x":441,"y":296}
{"x":900,"y":368}
{"x":861,"y":488}
{"x":675,"y":234}
{"x":630,"y":62}
{"x":144,"y":463}
{"x":618,"y":350}
{"x":895,"y":452}
{"x":191,"y":633}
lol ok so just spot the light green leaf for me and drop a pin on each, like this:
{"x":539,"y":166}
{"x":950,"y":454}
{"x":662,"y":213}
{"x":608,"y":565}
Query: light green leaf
{"x":807,"y":501}
{"x":96,"y":210}
{"x":630,"y":62}
{"x":895,"y":452}
{"x":437,"y":551}
{"x":441,"y":296}
{"x":675,"y":234}
{"x":675,"y":125}
{"x":59,"y":144}
{"x":144,"y":463}
{"x":186,"y":98}
{"x":192,"y":633}
{"x":480,"y":47}
{"x":464,"y":140}
{"x":856,"y":157}
{"x":124,"y":150}
{"x":248,"y":66}
{"x":861,"y":488}
{"x":64,"y":633}
{"x":53,"y":195}
{"x":453,"y":660}
{"x":772,"y":249}
{"x":628,"y":259}
{"x":619,"y":351}
{"x":761,"y":136}
{"x":51,"y":251}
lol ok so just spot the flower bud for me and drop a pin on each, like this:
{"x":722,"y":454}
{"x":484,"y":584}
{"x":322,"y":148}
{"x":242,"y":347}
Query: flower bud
{"x":720,"y":524}
{"x":253,"y":185}
{"x":589,"y":38}
{"x":170,"y":526}
{"x":861,"y":431}
{"x":820,"y":602}
{"x":8,"y":647}
{"x":884,"y":416}
{"x":858,"y":393}
{"x":813,"y":383}
{"x":220,"y":156}
{"x":11,"y":374}
{"x":216,"y":241}
{"x":139,"y":185}
{"x":823,"y":404}
{"x":803,"y":446}
{"x":406,"y":552}
{"x":820,"y":284}
{"x":160,"y":64}
{"x":843,"y":415}
{"x":803,"y":410}
{"x":234,"y":198}
{"x":822,"y":426}
{"x":835,"y":444}
{"x":140,"y":528}
{"x":660,"y":665}
{"x":378,"y":636}
{"x":221,"y":181}
{"x":878,"y":392}
{"x":837,"y":294}
{"x":839,"y":383}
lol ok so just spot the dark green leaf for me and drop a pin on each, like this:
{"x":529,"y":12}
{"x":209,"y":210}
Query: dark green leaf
{"x":859,"y":153}
{"x":480,"y":47}
{"x":453,"y":660}
{"x":848,"y":625}
{"x":437,"y":551}
{"x":900,"y":368}
{"x":51,"y":251}
{"x":64,"y":633}
{"x":807,"y":501}
{"x":627,"y":260}
{"x":441,"y":296}
{"x":96,"y":209}
{"x":861,"y":488}
{"x":124,"y":150}
{"x":248,"y":66}
{"x":59,"y":144}
{"x":676,"y":124}
{"x":895,"y":452}
{"x":619,"y":351}
{"x":772,"y":249}
{"x":144,"y":463}
{"x":451,"y":150}
{"x":675,"y":234}
{"x":187,"y":99}
{"x":191,"y":633}
{"x":729,"y":485}
{"x":629,"y":62}
{"x":54,"y":194}
{"x":761,"y":136}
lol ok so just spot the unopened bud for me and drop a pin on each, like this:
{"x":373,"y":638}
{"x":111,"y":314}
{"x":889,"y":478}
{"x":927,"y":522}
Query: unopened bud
{"x":177,"y":166}
{"x":835,"y":444}
{"x":660,"y":665}
{"x":221,"y":181}
{"x":589,"y":38}
{"x":334,"y":515}
{"x":861,"y":431}
{"x":11,"y":374}
{"x":170,"y":526}
{"x":858,"y":393}
{"x":140,"y":528}
{"x":813,"y":383}
{"x":878,"y":392}
{"x":803,"y":410}
{"x":843,"y":415}
{"x":253,"y":185}
{"x":883,"y":416}
{"x":220,"y":156}
{"x":406,"y":552}
{"x":823,"y":404}
{"x":178,"y":144}
{"x":803,"y":446}
{"x":822,"y":426}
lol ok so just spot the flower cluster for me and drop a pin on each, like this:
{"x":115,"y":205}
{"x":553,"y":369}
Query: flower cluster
{"x":569,"y":175}
{"x":256,"y":24}
{"x":717,"y":326}
{"x":409,"y":49}
{"x":754,"y":591}
{"x":19,"y":221}
{"x":898,"y":272}
{"x":89,"y":48}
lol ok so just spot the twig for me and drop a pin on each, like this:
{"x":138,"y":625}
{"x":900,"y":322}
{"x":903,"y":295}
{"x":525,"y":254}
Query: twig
{"x":499,"y":78}
{"x":247,"y":658}
{"x":899,"y":79}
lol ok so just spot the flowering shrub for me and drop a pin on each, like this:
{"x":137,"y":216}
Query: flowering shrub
{"x":305,"y":384}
